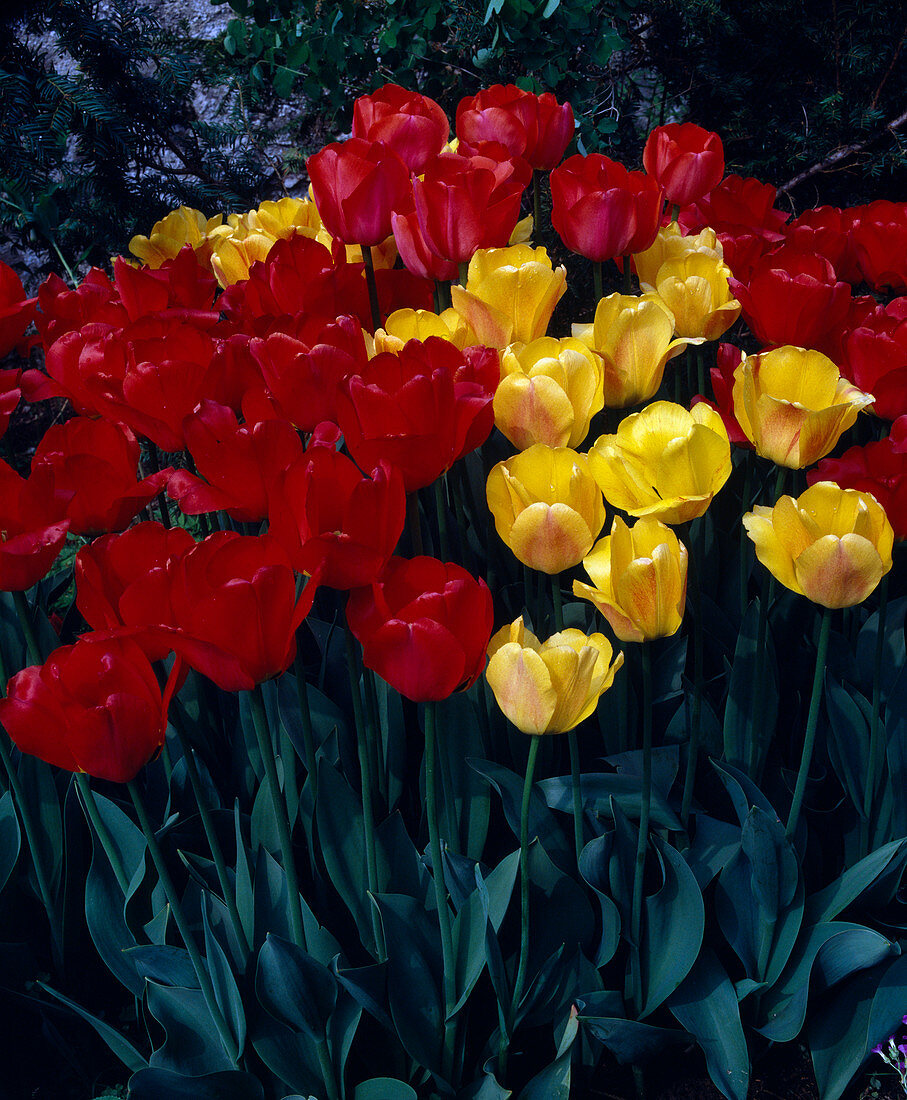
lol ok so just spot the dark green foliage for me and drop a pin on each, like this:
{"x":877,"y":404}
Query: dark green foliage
{"x":98,"y":136}
{"x":810,"y":87}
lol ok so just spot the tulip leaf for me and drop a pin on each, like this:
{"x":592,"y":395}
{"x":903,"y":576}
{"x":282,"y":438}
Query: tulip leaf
{"x":742,"y":790}
{"x":553,"y":1082}
{"x":714,"y":844}
{"x":894,"y":652}
{"x":466,"y":805}
{"x":290,"y":1055}
{"x":245,"y":898}
{"x":746,"y":724}
{"x":151,"y":1084}
{"x":598,"y":789}
{"x":593,"y":866}
{"x":629,"y":1040}
{"x":295,"y":988}
{"x":670,"y":659}
{"x":165,"y":964}
{"x":414,"y":977}
{"x":497,"y":971}
{"x":342,"y":1026}
{"x":384,"y":1088}
{"x":264,"y":831}
{"x":672,"y":929}
{"x":10,"y":838}
{"x":400,"y":867}
{"x":848,"y":743}
{"x":865,"y":1010}
{"x":192,"y":1043}
{"x":367,"y":985}
{"x":888,"y":861}
{"x":120,"y":1046}
{"x":562,"y":913}
{"x":37,"y":779}
{"x":226,"y":991}
{"x":706,"y":1005}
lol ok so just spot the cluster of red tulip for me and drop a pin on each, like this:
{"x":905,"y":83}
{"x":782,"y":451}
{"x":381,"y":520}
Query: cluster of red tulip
{"x":257,"y":385}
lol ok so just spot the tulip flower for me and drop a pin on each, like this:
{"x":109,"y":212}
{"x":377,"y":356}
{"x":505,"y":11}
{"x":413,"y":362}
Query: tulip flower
{"x":632,"y":338}
{"x":879,"y":242}
{"x":547,"y":507}
{"x":16,"y":311}
{"x":32,"y":529}
{"x":670,"y":245}
{"x":793,"y":405}
{"x":877,"y":468}
{"x":93,"y":466}
{"x":415,"y":252}
{"x":550,"y":686}
{"x":874,"y":357}
{"x":93,"y":707}
{"x":335,"y":522}
{"x":664,"y":462}
{"x":413,"y":125}
{"x":826,"y":231}
{"x":64,"y":309}
{"x":696,"y":289}
{"x":424,"y":627}
{"x":534,"y":127}
{"x":467,"y":203}
{"x":639,"y":580}
{"x":10,"y":395}
{"x":831,"y":545}
{"x":549,"y":391}
{"x":685,"y":160}
{"x":404,"y":325}
{"x":510,"y":294}
{"x":181,"y":227}
{"x":601,"y":210}
{"x":356,"y":185}
{"x":419,"y":410}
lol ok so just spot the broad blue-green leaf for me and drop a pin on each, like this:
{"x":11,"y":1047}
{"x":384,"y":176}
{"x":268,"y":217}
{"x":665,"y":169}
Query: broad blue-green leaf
{"x":497,"y":971}
{"x":294,"y":987}
{"x":271,"y":897}
{"x":706,"y":1005}
{"x":10,"y":838}
{"x":631,"y":1041}
{"x":674,"y":919}
{"x":226,"y":991}
{"x":384,"y":1088}
{"x":743,"y":721}
{"x":469,"y":925}
{"x":368,"y":987}
{"x":465,"y":793}
{"x":121,"y":1047}
{"x":165,"y":964}
{"x":850,"y":886}
{"x":561,"y":913}
{"x":291,"y":1055}
{"x":192,"y":1043}
{"x":848,"y":741}
{"x":245,"y":898}
{"x":593,"y":866}
{"x":553,"y":1082}
{"x":414,"y":977}
{"x":742,"y":790}
{"x":894,"y":656}
{"x":37,"y":779}
{"x":714,"y":845}
{"x":153,"y":1084}
{"x":598,"y":789}
{"x":264,"y":825}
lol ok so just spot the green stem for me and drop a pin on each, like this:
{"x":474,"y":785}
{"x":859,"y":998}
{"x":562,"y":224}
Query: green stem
{"x":875,"y":748}
{"x":441,"y":511}
{"x":103,"y":833}
{"x":161,"y":498}
{"x":464,"y":272}
{"x":279,"y":810}
{"x":179,"y":917}
{"x":696,"y":562}
{"x":27,"y":622}
{"x":745,"y":543}
{"x":305,"y":718}
{"x":227,"y":889}
{"x":524,"y":890}
{"x":437,"y":864}
{"x":811,"y":723}
{"x":327,"y":1069}
{"x":643,"y":839}
{"x":372,"y":285}
{"x":576,"y":784}
{"x":368,"y":812}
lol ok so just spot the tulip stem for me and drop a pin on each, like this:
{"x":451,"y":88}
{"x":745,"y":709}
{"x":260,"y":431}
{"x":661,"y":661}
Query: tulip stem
{"x":643,"y":838}
{"x":628,"y":275}
{"x":572,"y":742}
{"x":179,"y":917}
{"x":536,"y":204}
{"x":327,"y":1069}
{"x":745,"y":543}
{"x":100,"y":828}
{"x":161,"y":498}
{"x":696,"y":571}
{"x":305,"y":717}
{"x":464,"y":272}
{"x":278,"y":808}
{"x":524,"y":904}
{"x":437,"y":866}
{"x":368,"y":811}
{"x":414,"y":524}
{"x":811,"y":723}
{"x":227,"y":889}
{"x":27,"y":622}
{"x":875,"y":748}
{"x":372,"y":284}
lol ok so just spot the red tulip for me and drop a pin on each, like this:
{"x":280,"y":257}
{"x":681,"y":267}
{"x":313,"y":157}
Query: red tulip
{"x":424,"y":627}
{"x":414,"y":250}
{"x":602,"y":211}
{"x":877,"y":468}
{"x":94,"y":467}
{"x":238,"y":463}
{"x":879,"y":242}
{"x":875,"y":359}
{"x":356,"y":185}
{"x":534,"y":127}
{"x":413,"y":125}
{"x":685,"y":160}
{"x":467,"y":203}
{"x":826,"y":230}
{"x":32,"y":530}
{"x":16,"y":311}
{"x":334,"y":521}
{"x":10,"y":395}
{"x":420,"y":410}
{"x":63,"y":309}
{"x":93,"y":707}
{"x":793,"y":297}
{"x":180,"y":289}
{"x":722,"y":376}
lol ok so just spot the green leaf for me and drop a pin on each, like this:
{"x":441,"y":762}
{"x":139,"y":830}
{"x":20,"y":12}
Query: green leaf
{"x":743,"y":722}
{"x":597,"y":790}
{"x":226,"y":991}
{"x":466,"y":801}
{"x":192,"y":1044}
{"x":152,"y":1084}
{"x":550,"y":8}
{"x":593,"y":866}
{"x":469,"y":925}
{"x":706,"y":1005}
{"x":164,"y":964}
{"x":384,"y":1088}
{"x":848,"y":743}
{"x":849,"y":887}
{"x":121,"y":1047}
{"x":295,"y":988}
{"x":10,"y":837}
{"x":628,"y":1040}
{"x":553,"y":1082}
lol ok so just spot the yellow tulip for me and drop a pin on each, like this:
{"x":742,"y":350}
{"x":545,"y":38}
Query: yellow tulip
{"x":285,"y":217}
{"x":664,"y":462}
{"x":180,"y":227}
{"x":831,"y":545}
{"x":670,"y":245}
{"x":522,"y":231}
{"x":549,"y":391}
{"x":793,"y":405}
{"x":510,"y":294}
{"x":639,"y":580}
{"x":234,"y":249}
{"x":419,"y":324}
{"x":632,"y":337}
{"x":696,"y":290}
{"x":546,"y":506}
{"x":551,"y":686}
